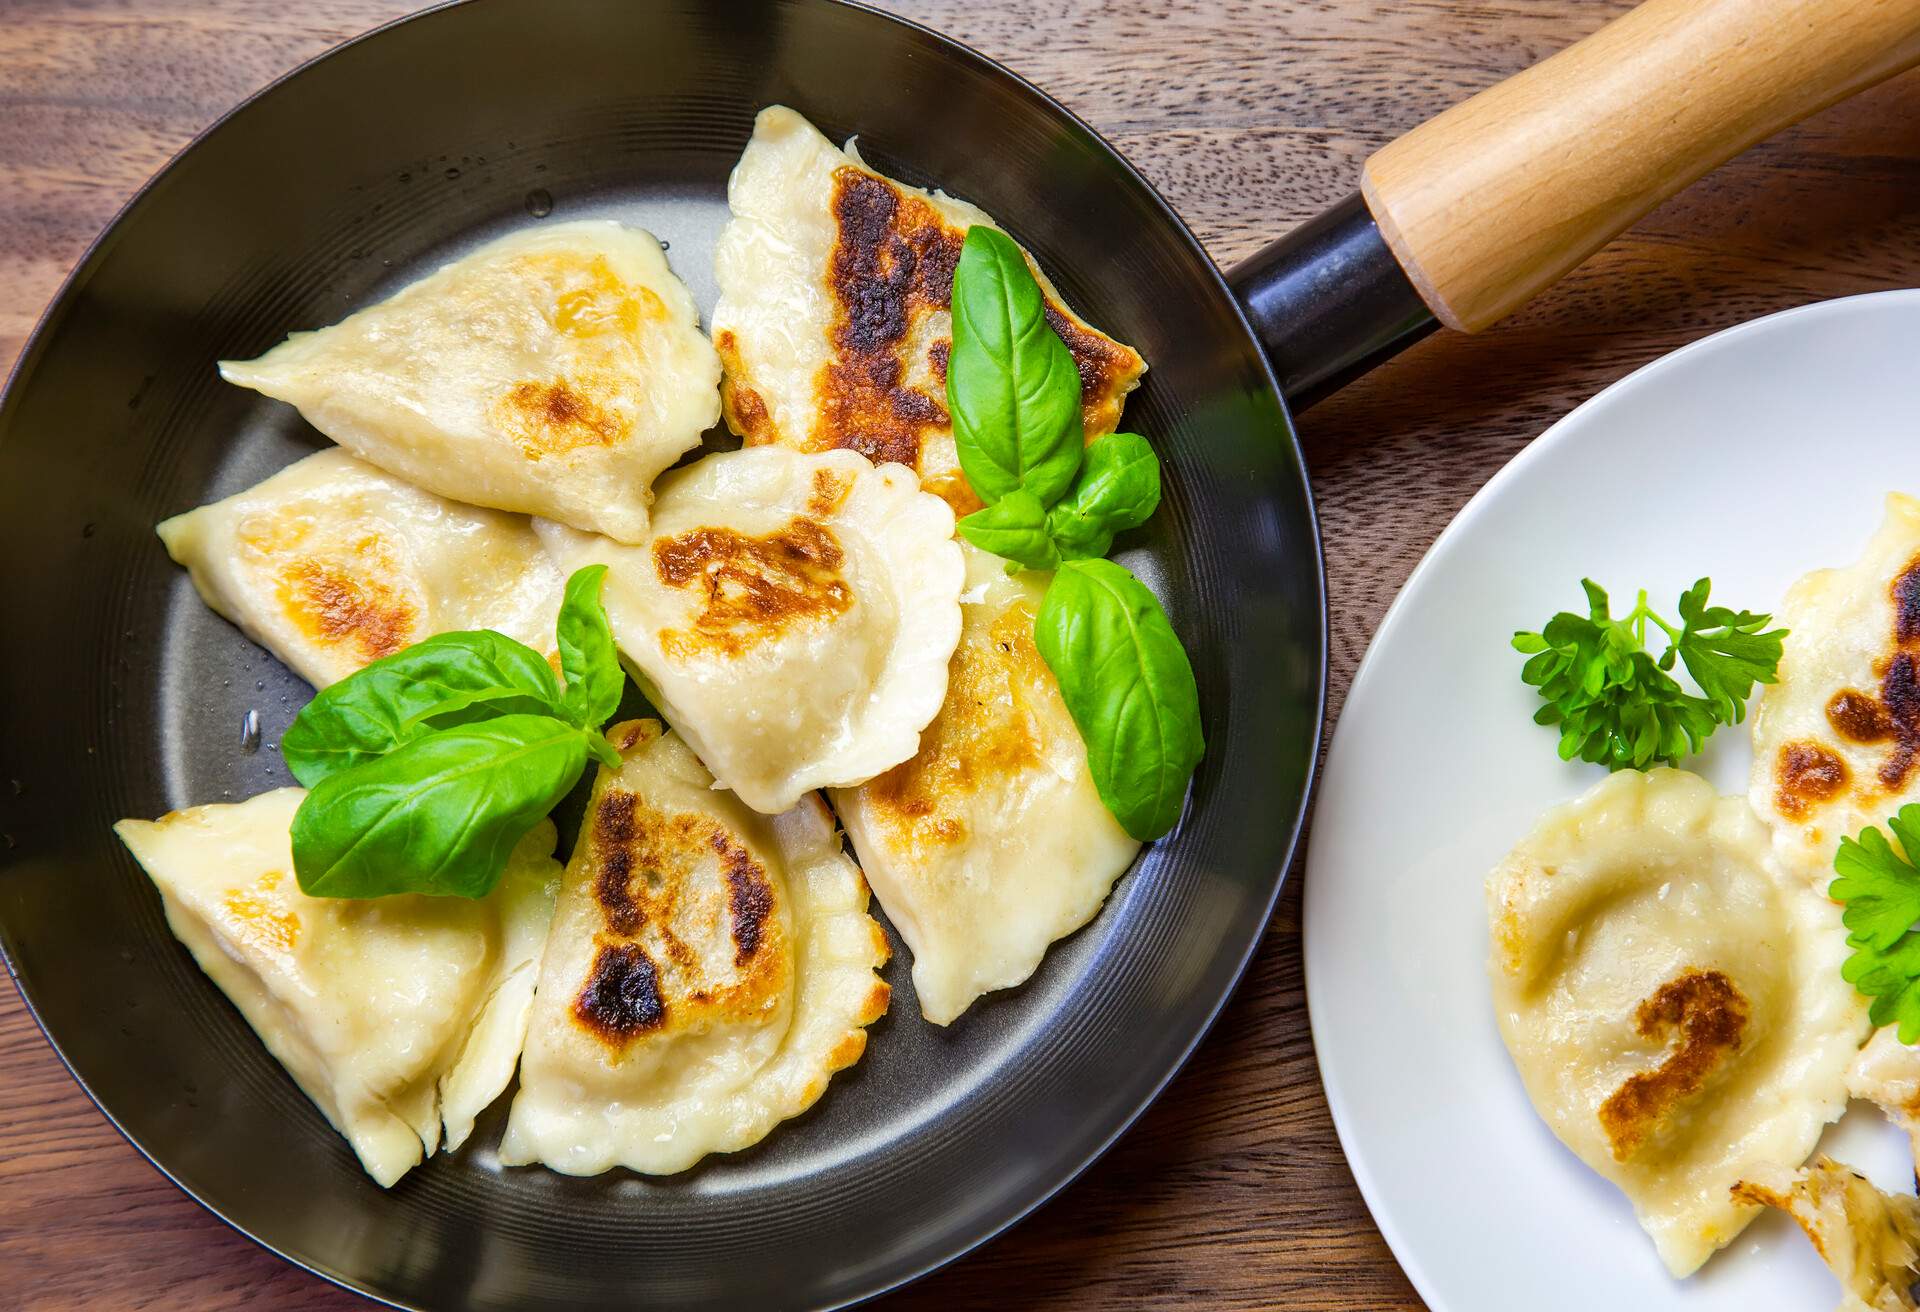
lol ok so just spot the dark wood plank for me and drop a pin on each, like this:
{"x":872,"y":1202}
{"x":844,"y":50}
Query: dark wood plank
{"x":1250,"y":115}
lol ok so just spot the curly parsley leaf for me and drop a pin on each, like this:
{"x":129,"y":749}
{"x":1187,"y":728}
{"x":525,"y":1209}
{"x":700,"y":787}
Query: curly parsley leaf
{"x":1880,"y":889}
{"x":1616,"y":705}
{"x":1726,"y":651}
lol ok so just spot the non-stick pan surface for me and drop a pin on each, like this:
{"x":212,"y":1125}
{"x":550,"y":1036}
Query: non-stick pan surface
{"x":122,"y":695}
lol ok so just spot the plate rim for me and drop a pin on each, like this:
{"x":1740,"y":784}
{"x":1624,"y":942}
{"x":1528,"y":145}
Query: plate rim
{"x":34,"y":345}
{"x":1372,"y":1192}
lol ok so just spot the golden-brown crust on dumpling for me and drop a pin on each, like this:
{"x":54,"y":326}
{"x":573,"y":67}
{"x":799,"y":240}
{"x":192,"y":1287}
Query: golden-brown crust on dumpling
{"x":650,"y":974}
{"x":792,"y":615}
{"x":987,"y":730}
{"x":362,"y":611}
{"x":755,"y":587}
{"x":708,"y":971}
{"x":890,"y":277}
{"x":558,"y":415}
{"x":556,"y":371}
{"x":833,"y":327}
{"x":891,"y":270}
{"x":1710,"y":1015}
{"x":1672,"y":1001}
{"x":331,"y":564}
{"x":1837,"y":736}
{"x":1870,"y":1240}
{"x":744,"y":409}
{"x":991,"y":842}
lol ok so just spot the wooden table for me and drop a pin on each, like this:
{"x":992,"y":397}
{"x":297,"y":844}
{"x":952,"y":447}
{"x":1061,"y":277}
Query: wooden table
{"x":1249,"y":115}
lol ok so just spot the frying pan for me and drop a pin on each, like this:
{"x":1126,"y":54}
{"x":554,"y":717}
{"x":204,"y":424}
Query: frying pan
{"x":124,"y":696}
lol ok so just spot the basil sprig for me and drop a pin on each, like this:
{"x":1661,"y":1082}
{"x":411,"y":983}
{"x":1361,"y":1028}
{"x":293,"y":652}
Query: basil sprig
{"x":440,"y":814}
{"x":447,"y":679}
{"x":427,"y":767}
{"x":1053,"y":502}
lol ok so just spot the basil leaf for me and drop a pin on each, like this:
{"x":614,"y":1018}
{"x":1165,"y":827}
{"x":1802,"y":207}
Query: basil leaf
{"x":395,"y":699}
{"x":1118,"y":489}
{"x":1015,"y":527}
{"x":1128,"y":685}
{"x":587,"y":658}
{"x":469,"y":707}
{"x":440,"y":814}
{"x":1012,"y":386}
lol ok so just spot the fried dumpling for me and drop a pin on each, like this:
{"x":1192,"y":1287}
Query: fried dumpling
{"x":332,"y":563}
{"x":401,"y":1017}
{"x":1836,"y":742}
{"x":792,"y":616}
{"x":992,"y":841}
{"x":832,"y":321}
{"x":1673,"y":1004}
{"x":709,"y":970}
{"x":555,"y":371}
{"x":1887,"y":1073}
{"x":1869,"y":1239}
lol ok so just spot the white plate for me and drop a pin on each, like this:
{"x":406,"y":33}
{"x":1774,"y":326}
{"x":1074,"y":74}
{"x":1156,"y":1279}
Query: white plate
{"x":1752,"y":456}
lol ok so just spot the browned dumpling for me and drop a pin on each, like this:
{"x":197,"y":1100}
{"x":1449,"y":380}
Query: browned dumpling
{"x":992,"y":842}
{"x":1887,"y":1073}
{"x":792,"y":616}
{"x":332,"y":563}
{"x":1673,"y":1004}
{"x":555,"y":371}
{"x":1836,"y":742}
{"x":401,"y":1017}
{"x":709,"y":970}
{"x":832,"y":323}
{"x":1868,"y":1239}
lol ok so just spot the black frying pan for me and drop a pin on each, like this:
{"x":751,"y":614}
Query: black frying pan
{"x":124,"y":696}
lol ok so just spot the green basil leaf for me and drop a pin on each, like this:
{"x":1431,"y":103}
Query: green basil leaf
{"x":396,"y":698}
{"x":1128,"y":685}
{"x":1118,"y":489}
{"x":1012,"y":386}
{"x":1015,"y":527}
{"x":440,"y":814}
{"x":587,"y":657}
{"x":469,"y":707}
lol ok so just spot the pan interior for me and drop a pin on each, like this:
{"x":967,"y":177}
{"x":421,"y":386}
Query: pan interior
{"x":123,"y":696}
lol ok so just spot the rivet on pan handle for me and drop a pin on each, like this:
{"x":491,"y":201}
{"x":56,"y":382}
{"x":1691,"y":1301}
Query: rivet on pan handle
{"x":1494,"y":200}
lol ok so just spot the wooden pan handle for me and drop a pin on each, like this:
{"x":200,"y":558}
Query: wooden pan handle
{"x":1499,"y":196}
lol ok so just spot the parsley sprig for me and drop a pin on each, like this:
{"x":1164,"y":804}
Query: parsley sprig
{"x":1881,"y":891}
{"x":1617,"y":705}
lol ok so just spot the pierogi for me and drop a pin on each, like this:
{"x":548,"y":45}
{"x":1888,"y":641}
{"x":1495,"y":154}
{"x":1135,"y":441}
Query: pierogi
{"x":1836,"y":742}
{"x":1673,"y":1004}
{"x":556,"y":371}
{"x":792,"y":616}
{"x":1887,"y":1073}
{"x":833,"y":320}
{"x":709,"y":970}
{"x":401,"y":1017}
{"x":991,"y":842}
{"x":332,"y":563}
{"x":1870,"y":1240}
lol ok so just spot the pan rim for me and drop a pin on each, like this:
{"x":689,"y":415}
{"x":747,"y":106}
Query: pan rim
{"x":957,"y":1245}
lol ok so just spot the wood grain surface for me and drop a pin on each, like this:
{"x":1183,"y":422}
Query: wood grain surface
{"x":1249,"y":115}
